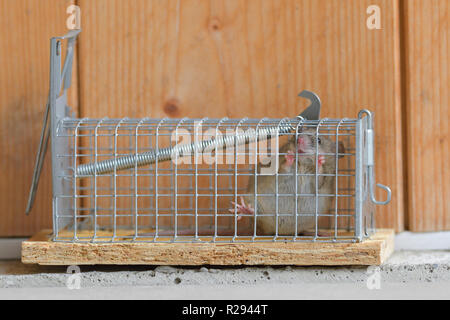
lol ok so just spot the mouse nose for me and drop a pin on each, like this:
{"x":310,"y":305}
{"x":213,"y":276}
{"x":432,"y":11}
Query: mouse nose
{"x":301,"y":141}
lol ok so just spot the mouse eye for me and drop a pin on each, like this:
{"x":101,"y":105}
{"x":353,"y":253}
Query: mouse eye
{"x":318,"y":140}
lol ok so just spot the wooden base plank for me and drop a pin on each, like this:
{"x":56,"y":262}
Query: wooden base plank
{"x":374,"y":251}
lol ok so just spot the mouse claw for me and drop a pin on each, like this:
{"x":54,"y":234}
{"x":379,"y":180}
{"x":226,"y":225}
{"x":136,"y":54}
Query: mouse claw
{"x":241,"y":209}
{"x":320,"y":160}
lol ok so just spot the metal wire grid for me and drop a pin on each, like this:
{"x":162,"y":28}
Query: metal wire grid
{"x":167,"y":196}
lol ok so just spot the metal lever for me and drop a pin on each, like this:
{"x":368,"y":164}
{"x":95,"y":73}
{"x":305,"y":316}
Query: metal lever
{"x":40,"y":156}
{"x":369,"y":159}
{"x":313,"y":110}
{"x":61,"y":77}
{"x":165,"y":154}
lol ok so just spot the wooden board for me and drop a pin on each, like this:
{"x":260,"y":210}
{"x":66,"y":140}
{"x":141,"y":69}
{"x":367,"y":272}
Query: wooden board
{"x":41,"y":250}
{"x":241,"y":58}
{"x":27,"y":27}
{"x":427,"y":50}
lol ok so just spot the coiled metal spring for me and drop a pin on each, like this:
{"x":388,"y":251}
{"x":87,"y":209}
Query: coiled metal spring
{"x":171,"y":153}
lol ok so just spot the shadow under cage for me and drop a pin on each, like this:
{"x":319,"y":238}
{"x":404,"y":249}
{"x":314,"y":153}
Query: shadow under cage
{"x":211,"y":180}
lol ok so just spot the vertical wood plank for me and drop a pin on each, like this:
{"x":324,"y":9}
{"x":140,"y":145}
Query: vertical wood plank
{"x":27,"y":27}
{"x":251,"y":58}
{"x":427,"y":52}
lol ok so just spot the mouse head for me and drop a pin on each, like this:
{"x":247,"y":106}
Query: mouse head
{"x":307,"y":141}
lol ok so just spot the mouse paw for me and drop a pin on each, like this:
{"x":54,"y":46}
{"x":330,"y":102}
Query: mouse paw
{"x":320,"y":160}
{"x":241,"y":209}
{"x":290,"y":157}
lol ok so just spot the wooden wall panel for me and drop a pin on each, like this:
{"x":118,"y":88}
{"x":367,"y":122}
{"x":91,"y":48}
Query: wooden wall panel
{"x":26,"y":27}
{"x":427,"y":84}
{"x":251,"y":58}
{"x":236,"y":58}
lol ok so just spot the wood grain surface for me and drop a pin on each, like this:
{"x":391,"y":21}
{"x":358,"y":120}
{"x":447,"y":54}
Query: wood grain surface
{"x":238,"y":58}
{"x":27,"y":27}
{"x":40,"y":250}
{"x":427,"y":112}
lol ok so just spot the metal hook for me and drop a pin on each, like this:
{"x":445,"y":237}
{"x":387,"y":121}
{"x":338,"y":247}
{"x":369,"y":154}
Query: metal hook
{"x":313,"y":111}
{"x":388,"y":191}
{"x":379,"y":185}
{"x":369,"y":159}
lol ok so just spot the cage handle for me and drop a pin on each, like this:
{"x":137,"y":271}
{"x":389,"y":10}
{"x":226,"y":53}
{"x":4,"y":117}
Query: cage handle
{"x":370,"y":159}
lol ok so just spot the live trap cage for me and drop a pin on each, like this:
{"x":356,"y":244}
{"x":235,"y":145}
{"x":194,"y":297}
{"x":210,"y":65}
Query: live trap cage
{"x":205,"y":180}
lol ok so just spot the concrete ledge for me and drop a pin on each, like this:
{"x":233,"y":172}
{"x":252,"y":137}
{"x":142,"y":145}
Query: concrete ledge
{"x":402,"y":267}
{"x":358,"y":291}
{"x":414,"y":273}
{"x":422,"y":240}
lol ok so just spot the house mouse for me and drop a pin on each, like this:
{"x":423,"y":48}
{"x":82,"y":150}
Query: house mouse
{"x":266,"y":205}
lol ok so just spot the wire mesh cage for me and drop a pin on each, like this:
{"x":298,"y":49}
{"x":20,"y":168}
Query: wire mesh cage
{"x":206,"y":180}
